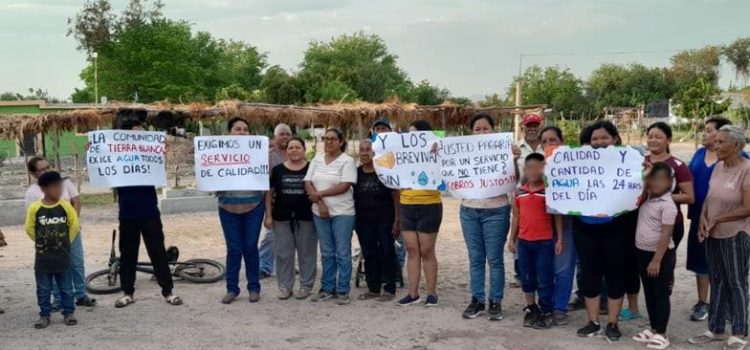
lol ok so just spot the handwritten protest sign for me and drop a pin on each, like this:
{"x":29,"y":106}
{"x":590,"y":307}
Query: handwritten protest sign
{"x":593,"y":182}
{"x":405,"y":161}
{"x":118,"y":158}
{"x":231,"y":163}
{"x":478,"y":166}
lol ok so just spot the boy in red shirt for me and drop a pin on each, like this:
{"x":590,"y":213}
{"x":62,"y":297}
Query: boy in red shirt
{"x":531,"y":236}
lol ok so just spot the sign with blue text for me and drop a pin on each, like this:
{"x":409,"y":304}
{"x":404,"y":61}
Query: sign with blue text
{"x":407,"y":161}
{"x":231,"y":163}
{"x":478,"y":166}
{"x":593,"y":182}
{"x":119,"y":158}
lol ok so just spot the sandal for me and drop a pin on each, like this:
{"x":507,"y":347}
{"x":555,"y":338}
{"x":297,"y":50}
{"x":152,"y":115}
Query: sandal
{"x":42,"y":323}
{"x":658,"y":342}
{"x":124,"y":301}
{"x":173,"y":300}
{"x":735,"y":343}
{"x":70,"y":320}
{"x":705,"y":338}
{"x":644,"y":337}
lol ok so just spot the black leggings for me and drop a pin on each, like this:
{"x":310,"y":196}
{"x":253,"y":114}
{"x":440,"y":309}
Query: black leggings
{"x":130,"y":241}
{"x":657,"y":290}
{"x":607,"y":251}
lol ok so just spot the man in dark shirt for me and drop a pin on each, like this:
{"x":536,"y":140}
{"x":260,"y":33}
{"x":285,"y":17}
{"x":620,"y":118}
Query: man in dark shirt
{"x":139,"y":216}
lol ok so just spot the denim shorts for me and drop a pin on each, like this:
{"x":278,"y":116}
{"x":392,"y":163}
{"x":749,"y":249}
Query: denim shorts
{"x":423,"y":218}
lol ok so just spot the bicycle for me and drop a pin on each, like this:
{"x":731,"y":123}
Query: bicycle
{"x":107,"y":281}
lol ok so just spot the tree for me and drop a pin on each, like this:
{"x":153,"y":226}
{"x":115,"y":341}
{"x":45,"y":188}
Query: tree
{"x":738,"y":55}
{"x":33,"y":94}
{"x":427,"y":94}
{"x":93,"y":26}
{"x":691,"y":65}
{"x":280,"y":87}
{"x":699,"y":100}
{"x":493,"y":101}
{"x":553,"y":86}
{"x":357,"y":63}
{"x":634,"y":85}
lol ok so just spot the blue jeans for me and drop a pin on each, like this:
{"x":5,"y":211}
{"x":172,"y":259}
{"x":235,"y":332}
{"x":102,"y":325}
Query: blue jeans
{"x":485,"y":232}
{"x":536,"y":262}
{"x":77,"y":273}
{"x":266,"y":253}
{"x":241,"y":232}
{"x":565,"y":268}
{"x":44,"y":283}
{"x":335,"y":237}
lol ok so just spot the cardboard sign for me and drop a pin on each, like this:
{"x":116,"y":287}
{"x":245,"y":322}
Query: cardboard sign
{"x":231,"y":163}
{"x":478,"y":166}
{"x":407,"y":161}
{"x":593,"y":182}
{"x":119,"y":158}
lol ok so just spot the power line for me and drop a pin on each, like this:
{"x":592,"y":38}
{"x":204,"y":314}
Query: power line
{"x":612,"y":53}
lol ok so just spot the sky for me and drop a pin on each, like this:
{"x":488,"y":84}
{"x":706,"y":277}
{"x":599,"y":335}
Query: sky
{"x":471,"y":47}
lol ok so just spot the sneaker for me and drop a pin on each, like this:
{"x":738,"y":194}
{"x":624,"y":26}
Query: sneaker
{"x":254,"y":297}
{"x":408,"y":300}
{"x":474,"y":309}
{"x":431,"y":301}
{"x":700,"y":312}
{"x":70,"y":320}
{"x":229,"y":298}
{"x":627,"y":315}
{"x":302,"y":294}
{"x":285,"y":294}
{"x":577,"y":304}
{"x":42,"y":323}
{"x":532,"y":315}
{"x":613,"y":332}
{"x":343,"y":299}
{"x":561,"y":318}
{"x":590,"y":330}
{"x":322,"y":296}
{"x":386,"y":297}
{"x":544,"y":321}
{"x":495,"y":312}
{"x":86,"y":301}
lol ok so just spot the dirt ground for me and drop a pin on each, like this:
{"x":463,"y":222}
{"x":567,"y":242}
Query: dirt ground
{"x":204,"y":323}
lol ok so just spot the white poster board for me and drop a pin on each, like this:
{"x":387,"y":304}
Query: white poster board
{"x":407,"y":161}
{"x":231,"y":163}
{"x":593,"y":182}
{"x":478,"y":166}
{"x":119,"y":158}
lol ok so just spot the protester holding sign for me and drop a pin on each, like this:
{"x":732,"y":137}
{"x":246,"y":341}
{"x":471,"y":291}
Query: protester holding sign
{"x":421,"y":216}
{"x":605,"y":248}
{"x":485,"y":223}
{"x":241,"y":216}
{"x":565,"y":262}
{"x":291,"y":221}
{"x":725,"y":223}
{"x":140,"y":216}
{"x":36,"y":167}
{"x":701,"y":167}
{"x":377,"y":225}
{"x":329,"y":183}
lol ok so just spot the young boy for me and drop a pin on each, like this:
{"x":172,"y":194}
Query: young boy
{"x":52,"y":224}
{"x":531,"y":235}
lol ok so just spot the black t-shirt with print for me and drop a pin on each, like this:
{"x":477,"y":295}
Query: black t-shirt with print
{"x":52,"y":240}
{"x":290,"y":200}
{"x":373,"y":201}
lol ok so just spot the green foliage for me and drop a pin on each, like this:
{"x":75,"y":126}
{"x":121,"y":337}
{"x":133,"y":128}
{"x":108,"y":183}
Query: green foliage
{"x":628,"y":86}
{"x":280,"y":87}
{"x":33,"y":94}
{"x":571,"y":131}
{"x":357,"y":63}
{"x":493,"y":101}
{"x":738,"y":55}
{"x":461,"y":101}
{"x":699,"y":100}
{"x":3,"y":157}
{"x":84,"y":95}
{"x":335,"y":91}
{"x":427,"y":94}
{"x":554,"y":86}
{"x":691,"y":65}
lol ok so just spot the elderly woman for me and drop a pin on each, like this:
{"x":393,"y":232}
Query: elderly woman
{"x":724,"y":225}
{"x":329,"y":183}
{"x":241,"y":217}
{"x":38,"y":166}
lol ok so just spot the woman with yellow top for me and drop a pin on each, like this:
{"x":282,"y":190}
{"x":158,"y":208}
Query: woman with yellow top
{"x":421,"y":214}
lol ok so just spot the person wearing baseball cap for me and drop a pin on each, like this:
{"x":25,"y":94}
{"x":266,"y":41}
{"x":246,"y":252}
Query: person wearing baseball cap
{"x":531,"y":142}
{"x":379,"y":126}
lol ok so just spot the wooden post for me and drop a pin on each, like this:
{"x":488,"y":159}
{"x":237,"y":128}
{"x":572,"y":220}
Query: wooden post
{"x":517,"y":117}
{"x":56,"y":146}
{"x":442,"y":120}
{"x":25,"y":160}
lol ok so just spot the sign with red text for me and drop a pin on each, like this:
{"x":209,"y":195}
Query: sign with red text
{"x":478,"y":166}
{"x":231,"y":163}
{"x":119,"y":158}
{"x":407,"y":161}
{"x":593,"y":181}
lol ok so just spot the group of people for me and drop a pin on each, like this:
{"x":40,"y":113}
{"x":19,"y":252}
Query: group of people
{"x":317,"y":205}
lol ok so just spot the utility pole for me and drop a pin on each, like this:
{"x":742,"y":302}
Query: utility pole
{"x":518,"y":114}
{"x":96,"y":78}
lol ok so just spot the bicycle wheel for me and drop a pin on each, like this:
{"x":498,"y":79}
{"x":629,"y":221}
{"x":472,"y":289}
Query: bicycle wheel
{"x":200,"y":271}
{"x":103,"y":282}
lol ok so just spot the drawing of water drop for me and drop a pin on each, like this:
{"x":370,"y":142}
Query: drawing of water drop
{"x":423,"y":179}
